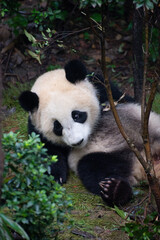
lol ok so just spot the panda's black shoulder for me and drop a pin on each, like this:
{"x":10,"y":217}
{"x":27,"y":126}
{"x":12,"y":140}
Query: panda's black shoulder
{"x":98,"y":81}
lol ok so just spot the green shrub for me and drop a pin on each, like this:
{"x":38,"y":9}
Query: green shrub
{"x":142,"y":228}
{"x":31,"y":194}
{"x":147,"y":230}
{"x":18,"y":20}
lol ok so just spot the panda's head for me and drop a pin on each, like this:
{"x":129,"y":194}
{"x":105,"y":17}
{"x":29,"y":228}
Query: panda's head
{"x":63,"y":105}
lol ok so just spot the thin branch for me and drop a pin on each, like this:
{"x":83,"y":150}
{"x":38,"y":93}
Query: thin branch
{"x":146,"y":53}
{"x":145,"y":133}
{"x":91,"y":20}
{"x":144,"y":114}
{"x":145,"y":110}
{"x":1,"y":151}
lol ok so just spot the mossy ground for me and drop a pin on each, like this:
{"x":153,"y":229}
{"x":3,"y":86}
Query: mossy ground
{"x":90,"y":217}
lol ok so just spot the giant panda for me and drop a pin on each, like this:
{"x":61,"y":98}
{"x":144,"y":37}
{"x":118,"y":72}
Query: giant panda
{"x":64,"y":109}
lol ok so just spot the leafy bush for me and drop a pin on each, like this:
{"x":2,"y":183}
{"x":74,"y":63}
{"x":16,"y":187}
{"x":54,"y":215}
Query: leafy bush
{"x":16,"y":20}
{"x":42,"y":18}
{"x":31,"y":194}
{"x":9,"y":7}
{"x":146,"y":230}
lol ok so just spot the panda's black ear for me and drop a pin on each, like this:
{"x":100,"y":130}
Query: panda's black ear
{"x":75,"y":71}
{"x":29,"y":100}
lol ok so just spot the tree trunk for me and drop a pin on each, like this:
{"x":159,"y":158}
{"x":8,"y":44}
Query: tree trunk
{"x":138,"y":63}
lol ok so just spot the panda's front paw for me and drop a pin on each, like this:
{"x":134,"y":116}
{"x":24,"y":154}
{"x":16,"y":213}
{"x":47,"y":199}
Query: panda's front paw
{"x":115,"y":191}
{"x":59,"y":172}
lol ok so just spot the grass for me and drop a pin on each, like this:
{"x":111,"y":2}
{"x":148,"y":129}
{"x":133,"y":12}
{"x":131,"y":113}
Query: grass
{"x":90,"y":218}
{"x":18,"y":120}
{"x":90,"y":215}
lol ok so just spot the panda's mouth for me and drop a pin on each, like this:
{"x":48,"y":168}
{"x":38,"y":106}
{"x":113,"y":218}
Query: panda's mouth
{"x":76,"y":136}
{"x":78,"y":143}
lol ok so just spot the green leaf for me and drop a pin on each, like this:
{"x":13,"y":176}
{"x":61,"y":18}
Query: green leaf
{"x":99,"y":2}
{"x":149,"y":5}
{"x":121,"y":213}
{"x":5,"y":233}
{"x":34,"y":55}
{"x":120,"y":49}
{"x":14,"y":226}
{"x":30,"y":37}
{"x":37,"y":208}
{"x":30,"y":204}
{"x":97,"y":17}
{"x":28,"y":181}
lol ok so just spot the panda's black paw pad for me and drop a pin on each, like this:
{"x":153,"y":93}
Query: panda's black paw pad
{"x":115,"y":191}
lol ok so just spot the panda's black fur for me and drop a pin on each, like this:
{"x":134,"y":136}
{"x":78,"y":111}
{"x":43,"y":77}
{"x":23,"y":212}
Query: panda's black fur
{"x":98,"y":81}
{"x":65,"y":110}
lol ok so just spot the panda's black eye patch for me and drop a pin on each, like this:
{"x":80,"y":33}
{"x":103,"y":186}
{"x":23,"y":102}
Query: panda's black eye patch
{"x":78,"y":116}
{"x":57,"y":129}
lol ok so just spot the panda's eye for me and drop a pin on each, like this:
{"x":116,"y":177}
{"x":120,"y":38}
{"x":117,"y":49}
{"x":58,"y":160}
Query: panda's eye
{"x":79,"y":117}
{"x":57,"y":128}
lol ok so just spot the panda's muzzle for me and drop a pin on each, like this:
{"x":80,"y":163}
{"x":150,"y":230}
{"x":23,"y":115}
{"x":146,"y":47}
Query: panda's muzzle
{"x":77,"y":144}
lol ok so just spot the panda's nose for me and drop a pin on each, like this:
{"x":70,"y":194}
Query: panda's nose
{"x":77,"y":144}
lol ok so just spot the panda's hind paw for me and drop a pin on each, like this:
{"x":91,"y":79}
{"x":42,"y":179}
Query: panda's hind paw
{"x":115,"y":191}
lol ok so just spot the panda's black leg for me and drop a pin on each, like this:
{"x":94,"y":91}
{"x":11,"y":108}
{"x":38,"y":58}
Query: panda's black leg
{"x":107,"y":174}
{"x":60,"y":171}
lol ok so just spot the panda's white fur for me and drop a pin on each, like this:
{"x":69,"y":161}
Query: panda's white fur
{"x":94,"y":149}
{"x":55,"y":90}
